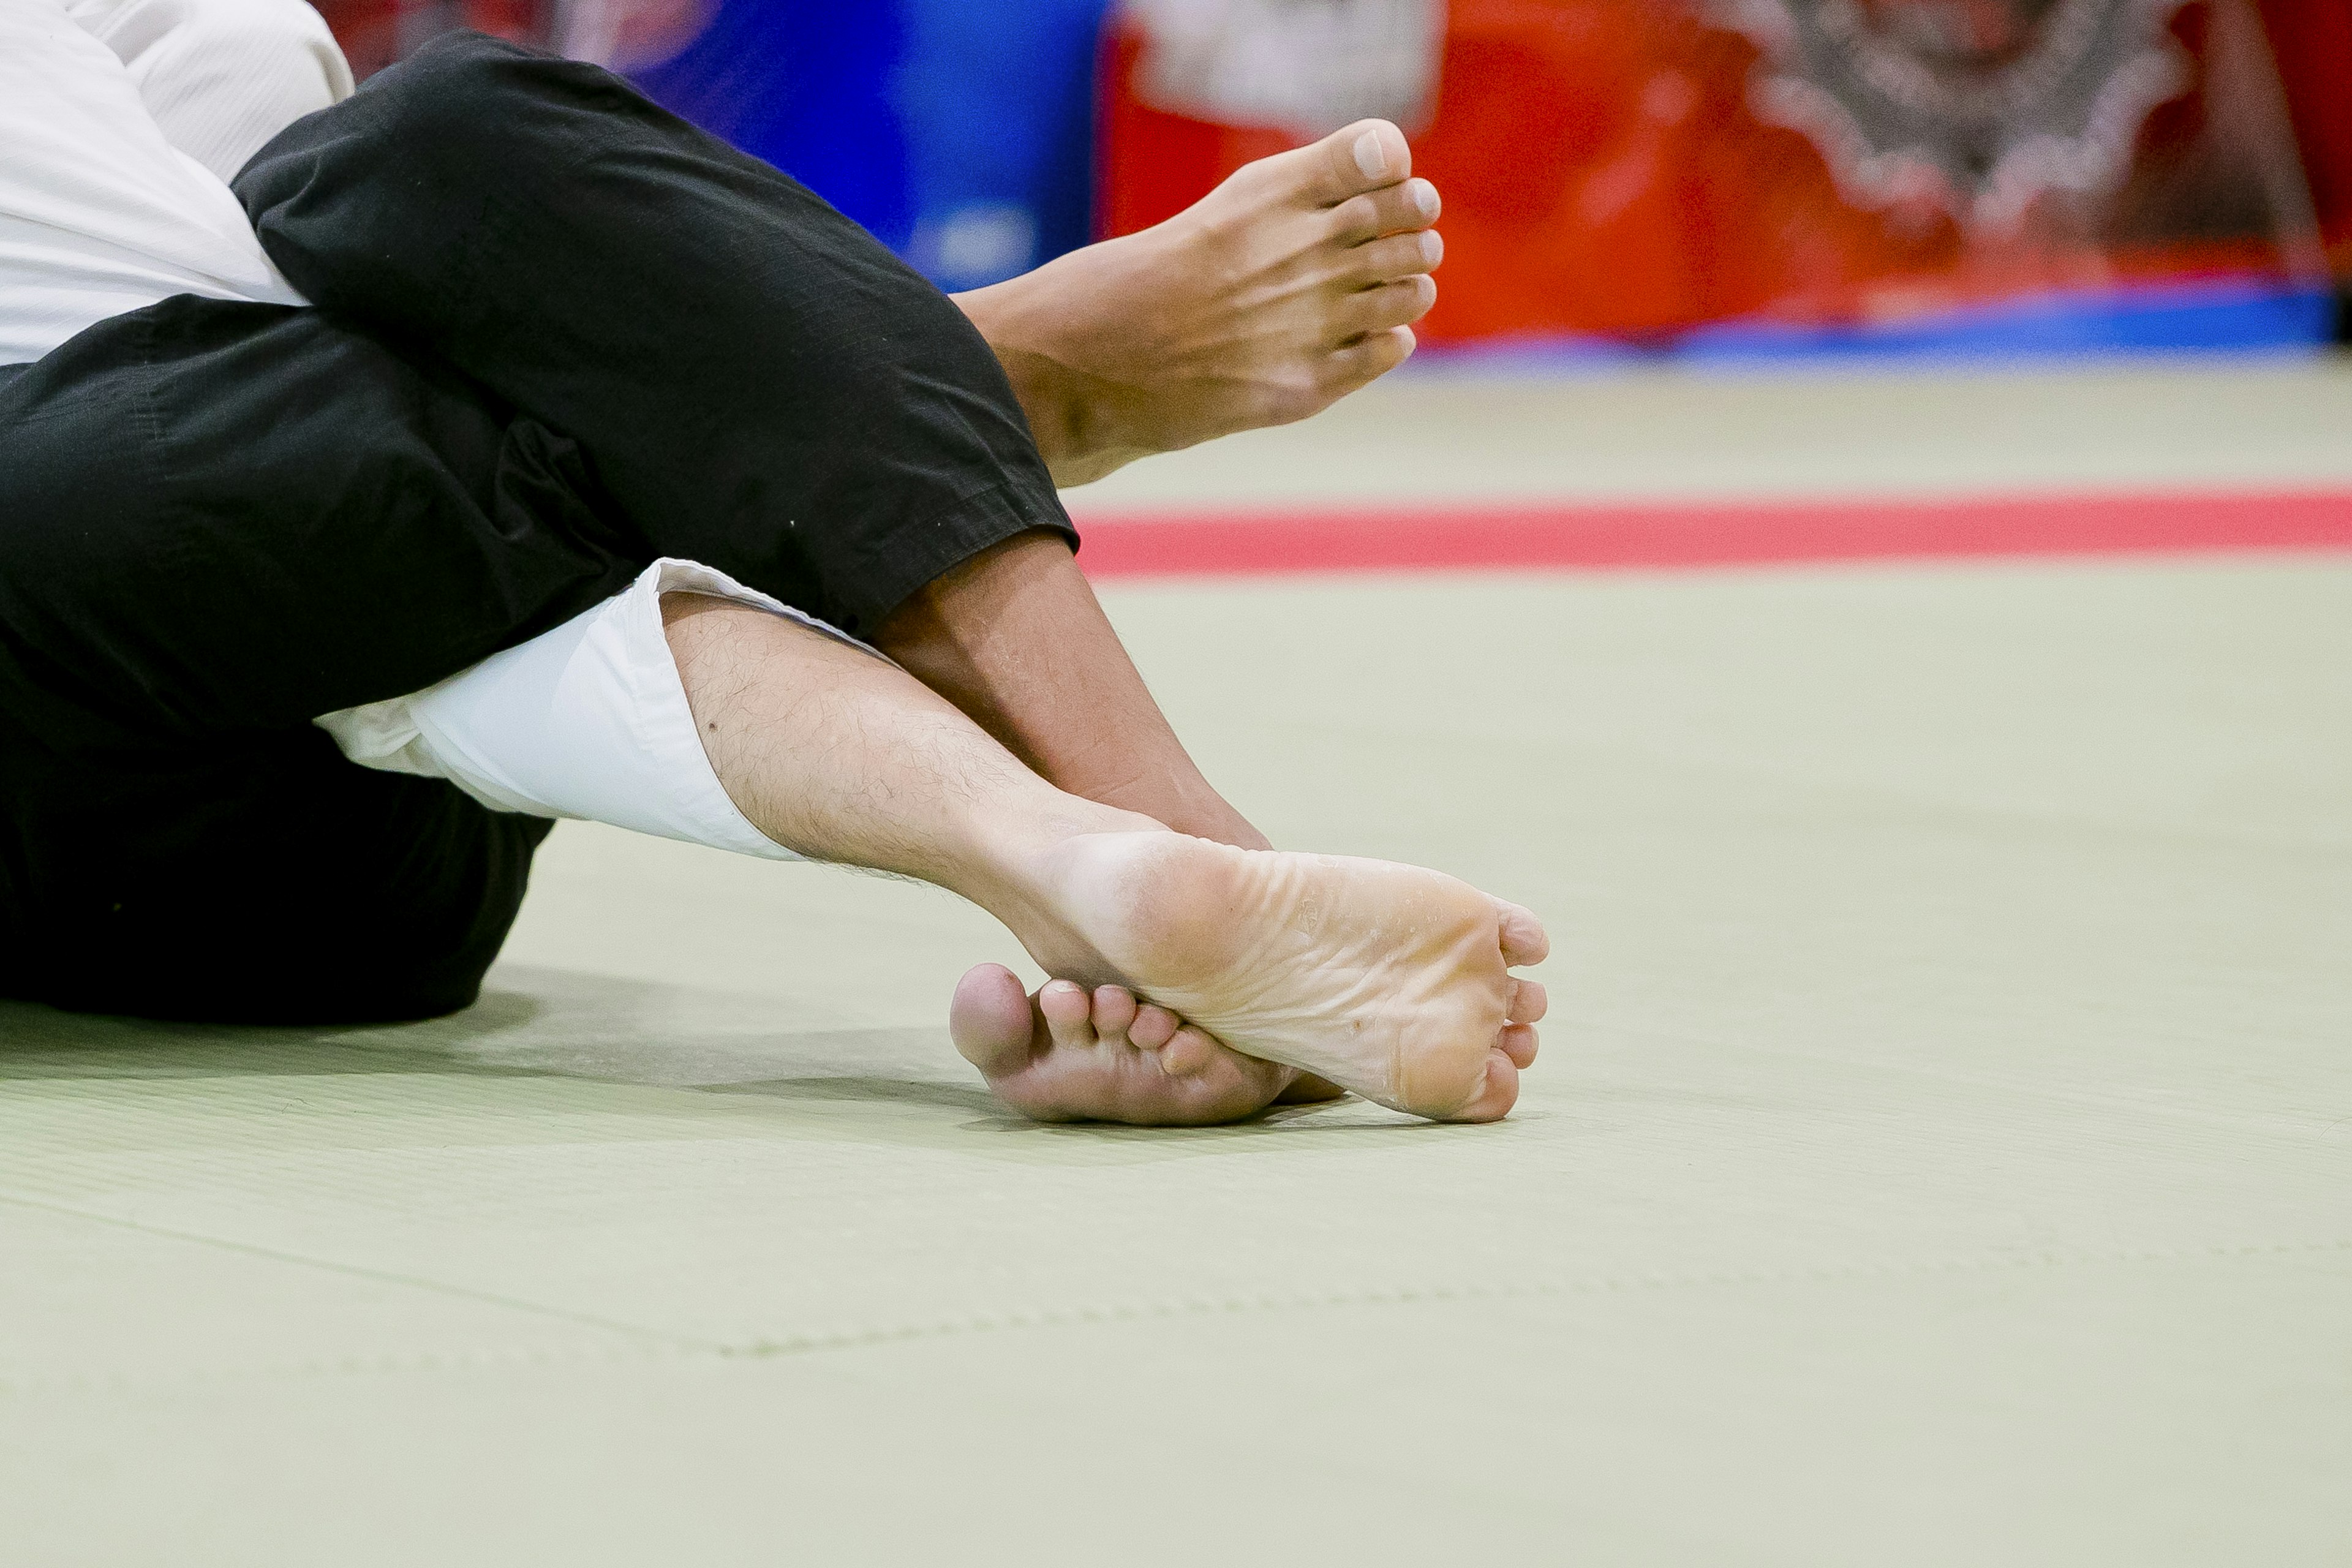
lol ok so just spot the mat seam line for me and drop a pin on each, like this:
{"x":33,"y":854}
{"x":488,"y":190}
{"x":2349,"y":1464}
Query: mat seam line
{"x":379,"y":1276}
{"x":661,"y":1346}
{"x":1542,"y":1289}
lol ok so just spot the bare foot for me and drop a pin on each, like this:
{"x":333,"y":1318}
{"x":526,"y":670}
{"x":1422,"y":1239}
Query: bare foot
{"x":1071,"y":1056}
{"x":1066,"y":1054}
{"x":1281,"y":291}
{"x":1389,"y":980}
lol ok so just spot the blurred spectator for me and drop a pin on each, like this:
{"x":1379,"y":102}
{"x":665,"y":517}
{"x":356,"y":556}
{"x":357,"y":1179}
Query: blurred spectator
{"x":375,"y":33}
{"x":1307,"y":68}
{"x":2018,"y":173}
{"x":1744,"y":175}
{"x":2312,"y":40}
{"x":961,"y":131}
{"x":623,"y":33}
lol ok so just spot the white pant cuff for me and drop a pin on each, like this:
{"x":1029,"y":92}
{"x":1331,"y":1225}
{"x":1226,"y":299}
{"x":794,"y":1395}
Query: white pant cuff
{"x":588,"y":720}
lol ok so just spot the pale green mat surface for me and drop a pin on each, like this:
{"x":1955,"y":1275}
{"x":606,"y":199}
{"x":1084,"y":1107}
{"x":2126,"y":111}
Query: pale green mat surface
{"x":1447,"y":435}
{"x":1942,"y":1153}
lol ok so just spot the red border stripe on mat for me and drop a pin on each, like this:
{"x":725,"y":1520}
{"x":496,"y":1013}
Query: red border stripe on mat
{"x":1401,"y":539}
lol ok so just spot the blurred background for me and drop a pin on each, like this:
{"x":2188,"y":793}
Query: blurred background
{"x":1699,"y":179}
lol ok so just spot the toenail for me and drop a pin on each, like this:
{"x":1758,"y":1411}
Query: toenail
{"x":1371,"y":157}
{"x":1425,"y":196}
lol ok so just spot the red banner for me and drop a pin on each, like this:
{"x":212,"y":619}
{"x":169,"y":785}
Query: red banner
{"x":1635,"y":168}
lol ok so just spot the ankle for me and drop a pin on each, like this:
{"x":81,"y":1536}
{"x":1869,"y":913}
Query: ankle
{"x":1031,"y":876}
{"x":1041,"y":384}
{"x":1022,"y":857}
{"x":1194,"y":808}
{"x":1074,"y":418}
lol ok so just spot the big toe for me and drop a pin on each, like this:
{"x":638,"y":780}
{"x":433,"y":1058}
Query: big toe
{"x":989,"y":1019}
{"x":1365,"y":156}
{"x":1523,"y":936}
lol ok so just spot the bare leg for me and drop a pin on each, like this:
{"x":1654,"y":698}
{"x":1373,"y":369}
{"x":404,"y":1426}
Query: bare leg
{"x":1287,"y":288}
{"x":1284,"y":290}
{"x":1016,"y":639}
{"x":1387,"y":979}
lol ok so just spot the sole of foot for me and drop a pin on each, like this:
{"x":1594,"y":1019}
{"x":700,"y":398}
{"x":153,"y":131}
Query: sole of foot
{"x":1390,"y":981}
{"x":1292,"y":284}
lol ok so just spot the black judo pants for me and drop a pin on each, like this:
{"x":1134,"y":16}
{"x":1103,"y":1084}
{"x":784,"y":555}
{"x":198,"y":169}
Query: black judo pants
{"x":558,"y":334}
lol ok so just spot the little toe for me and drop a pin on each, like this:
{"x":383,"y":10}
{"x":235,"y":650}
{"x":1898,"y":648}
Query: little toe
{"x":1153,"y":1028}
{"x":1364,"y":156}
{"x":1530,"y":1002}
{"x":988,"y":1020}
{"x":1346,"y":369}
{"x":1524,"y":941}
{"x":1498,"y":1091}
{"x":1394,"y":209}
{"x":1519,"y":1042}
{"x":1068,"y":1011}
{"x":1115,"y":1008}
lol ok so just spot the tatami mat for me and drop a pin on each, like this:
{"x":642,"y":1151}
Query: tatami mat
{"x":1942,"y":1153}
{"x":1451,"y":431}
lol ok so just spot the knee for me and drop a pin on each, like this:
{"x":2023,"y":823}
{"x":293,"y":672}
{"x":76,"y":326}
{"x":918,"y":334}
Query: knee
{"x":280,"y":26}
{"x":229,"y":75}
{"x":464,"y":92}
{"x":267,"y":39}
{"x":466,"y":123}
